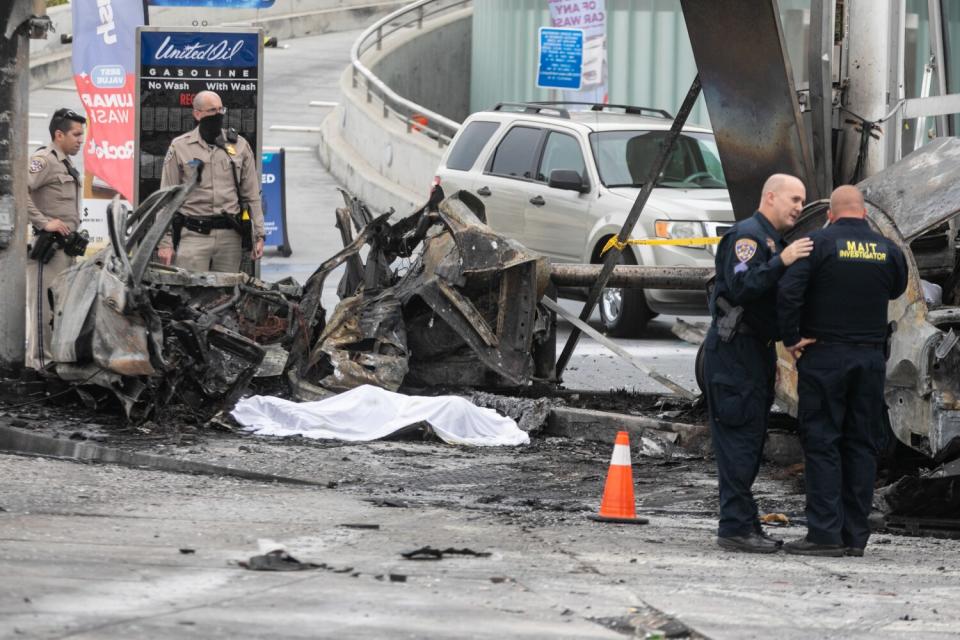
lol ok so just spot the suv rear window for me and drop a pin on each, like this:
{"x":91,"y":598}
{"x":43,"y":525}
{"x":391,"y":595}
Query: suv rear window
{"x":470,"y":143}
{"x":516,"y":154}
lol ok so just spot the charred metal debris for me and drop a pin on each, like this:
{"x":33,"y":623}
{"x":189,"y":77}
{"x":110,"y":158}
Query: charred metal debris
{"x":462,"y":310}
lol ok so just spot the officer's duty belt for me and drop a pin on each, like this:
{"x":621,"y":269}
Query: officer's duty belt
{"x":866,"y":345}
{"x":744,"y":329}
{"x":206,"y":224}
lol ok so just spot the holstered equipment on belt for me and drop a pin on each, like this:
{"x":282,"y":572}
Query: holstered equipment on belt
{"x":201,"y":225}
{"x":243,"y":224}
{"x":46,"y":244}
{"x":731,"y":322}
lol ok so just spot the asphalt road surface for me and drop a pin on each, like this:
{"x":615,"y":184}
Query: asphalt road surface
{"x":91,"y":551}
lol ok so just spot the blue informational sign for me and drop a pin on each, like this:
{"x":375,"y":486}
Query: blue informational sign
{"x":561,"y":58}
{"x":219,"y":4}
{"x":275,"y":202}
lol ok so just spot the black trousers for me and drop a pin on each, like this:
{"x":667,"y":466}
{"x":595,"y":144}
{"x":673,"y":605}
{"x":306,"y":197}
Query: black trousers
{"x":841,"y":425}
{"x":740,"y":377}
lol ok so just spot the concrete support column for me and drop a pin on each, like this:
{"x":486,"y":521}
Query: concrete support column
{"x":14,"y":94}
{"x":874,"y":70}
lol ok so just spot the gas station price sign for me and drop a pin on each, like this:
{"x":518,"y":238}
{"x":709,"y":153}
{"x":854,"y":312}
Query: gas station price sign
{"x":174,"y":65}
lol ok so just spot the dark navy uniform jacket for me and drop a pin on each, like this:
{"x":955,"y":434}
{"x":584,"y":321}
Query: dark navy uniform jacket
{"x":748,"y":267}
{"x":840,"y":292}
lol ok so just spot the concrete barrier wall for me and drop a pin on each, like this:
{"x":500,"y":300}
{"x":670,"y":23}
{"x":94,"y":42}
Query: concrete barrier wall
{"x":50,"y":59}
{"x":375,"y":157}
{"x":433,"y":69}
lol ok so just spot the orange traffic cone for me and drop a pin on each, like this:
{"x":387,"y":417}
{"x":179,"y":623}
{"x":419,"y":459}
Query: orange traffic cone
{"x":618,"y":503}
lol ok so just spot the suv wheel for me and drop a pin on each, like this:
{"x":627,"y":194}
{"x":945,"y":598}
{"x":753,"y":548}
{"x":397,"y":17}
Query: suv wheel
{"x":624,"y":312}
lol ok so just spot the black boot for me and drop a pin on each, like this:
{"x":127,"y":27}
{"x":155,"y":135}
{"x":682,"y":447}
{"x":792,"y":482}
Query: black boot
{"x":750,"y":543}
{"x":804,"y":547}
{"x":766,"y":536}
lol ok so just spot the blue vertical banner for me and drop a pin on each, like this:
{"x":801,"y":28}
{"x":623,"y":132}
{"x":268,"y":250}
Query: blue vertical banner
{"x":274,"y":194}
{"x":104,"y":69}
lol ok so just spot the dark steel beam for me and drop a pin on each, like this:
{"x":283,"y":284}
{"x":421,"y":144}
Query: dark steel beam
{"x":819,"y":62}
{"x":613,"y":256}
{"x":751,"y":97}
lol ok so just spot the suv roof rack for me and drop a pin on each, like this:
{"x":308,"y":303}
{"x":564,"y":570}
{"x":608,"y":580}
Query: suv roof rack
{"x":533,"y":107}
{"x":601,"y":106}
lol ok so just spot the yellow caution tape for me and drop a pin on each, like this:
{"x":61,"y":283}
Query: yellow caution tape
{"x":682,"y":242}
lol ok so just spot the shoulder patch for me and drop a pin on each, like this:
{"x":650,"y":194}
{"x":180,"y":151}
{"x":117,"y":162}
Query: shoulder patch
{"x":169,"y":154}
{"x":745,"y":249}
{"x":37,"y":165}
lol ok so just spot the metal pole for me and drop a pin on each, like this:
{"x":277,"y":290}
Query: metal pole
{"x":948,"y":50}
{"x":893,"y":131}
{"x":629,"y":276}
{"x":14,"y":93}
{"x":938,"y":51}
{"x":613,"y":255}
{"x":869,"y":92}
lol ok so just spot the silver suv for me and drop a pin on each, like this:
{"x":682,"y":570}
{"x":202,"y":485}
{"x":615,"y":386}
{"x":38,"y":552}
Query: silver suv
{"x":562,"y":182}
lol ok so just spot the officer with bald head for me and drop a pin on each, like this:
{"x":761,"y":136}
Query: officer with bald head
{"x":223,"y":215}
{"x":832,"y":311}
{"x":739,"y":359}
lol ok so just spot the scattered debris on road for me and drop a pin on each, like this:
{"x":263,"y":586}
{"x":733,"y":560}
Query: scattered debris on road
{"x":431,"y":553}
{"x":278,"y":560}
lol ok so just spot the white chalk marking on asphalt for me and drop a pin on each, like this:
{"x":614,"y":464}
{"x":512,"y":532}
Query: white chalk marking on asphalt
{"x":323,"y":103}
{"x":34,"y":143}
{"x":287,"y":127}
{"x":39,"y":115}
{"x":62,"y":87}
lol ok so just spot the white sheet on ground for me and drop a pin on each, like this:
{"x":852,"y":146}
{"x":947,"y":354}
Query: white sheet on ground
{"x":369,"y":413}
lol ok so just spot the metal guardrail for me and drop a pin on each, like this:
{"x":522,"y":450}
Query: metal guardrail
{"x":416,"y":117}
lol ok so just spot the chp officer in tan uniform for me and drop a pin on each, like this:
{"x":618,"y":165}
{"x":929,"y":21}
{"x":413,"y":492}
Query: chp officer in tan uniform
{"x":209,"y":235}
{"x":53,"y":205}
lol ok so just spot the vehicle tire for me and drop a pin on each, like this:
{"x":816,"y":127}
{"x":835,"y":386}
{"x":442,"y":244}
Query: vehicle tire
{"x":624,"y":312}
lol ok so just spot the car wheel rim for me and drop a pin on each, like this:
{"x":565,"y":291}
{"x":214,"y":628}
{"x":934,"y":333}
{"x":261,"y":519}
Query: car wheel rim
{"x":611,"y":303}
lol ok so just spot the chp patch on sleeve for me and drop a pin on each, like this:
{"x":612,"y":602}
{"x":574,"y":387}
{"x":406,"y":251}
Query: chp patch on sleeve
{"x":37,"y":165}
{"x":745,"y":248}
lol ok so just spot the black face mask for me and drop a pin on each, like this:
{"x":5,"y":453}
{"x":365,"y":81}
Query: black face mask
{"x":211,"y":127}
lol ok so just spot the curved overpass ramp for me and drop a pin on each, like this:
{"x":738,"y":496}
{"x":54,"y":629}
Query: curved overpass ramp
{"x":403,"y":96}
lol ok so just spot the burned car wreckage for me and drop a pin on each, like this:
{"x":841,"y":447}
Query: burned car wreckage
{"x":464,"y":311}
{"x":440,"y":299}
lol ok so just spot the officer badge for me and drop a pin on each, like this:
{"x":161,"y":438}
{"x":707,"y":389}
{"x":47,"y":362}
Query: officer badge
{"x":745,"y":248}
{"x":37,"y":165}
{"x":771,"y":245}
{"x":232,"y":150}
